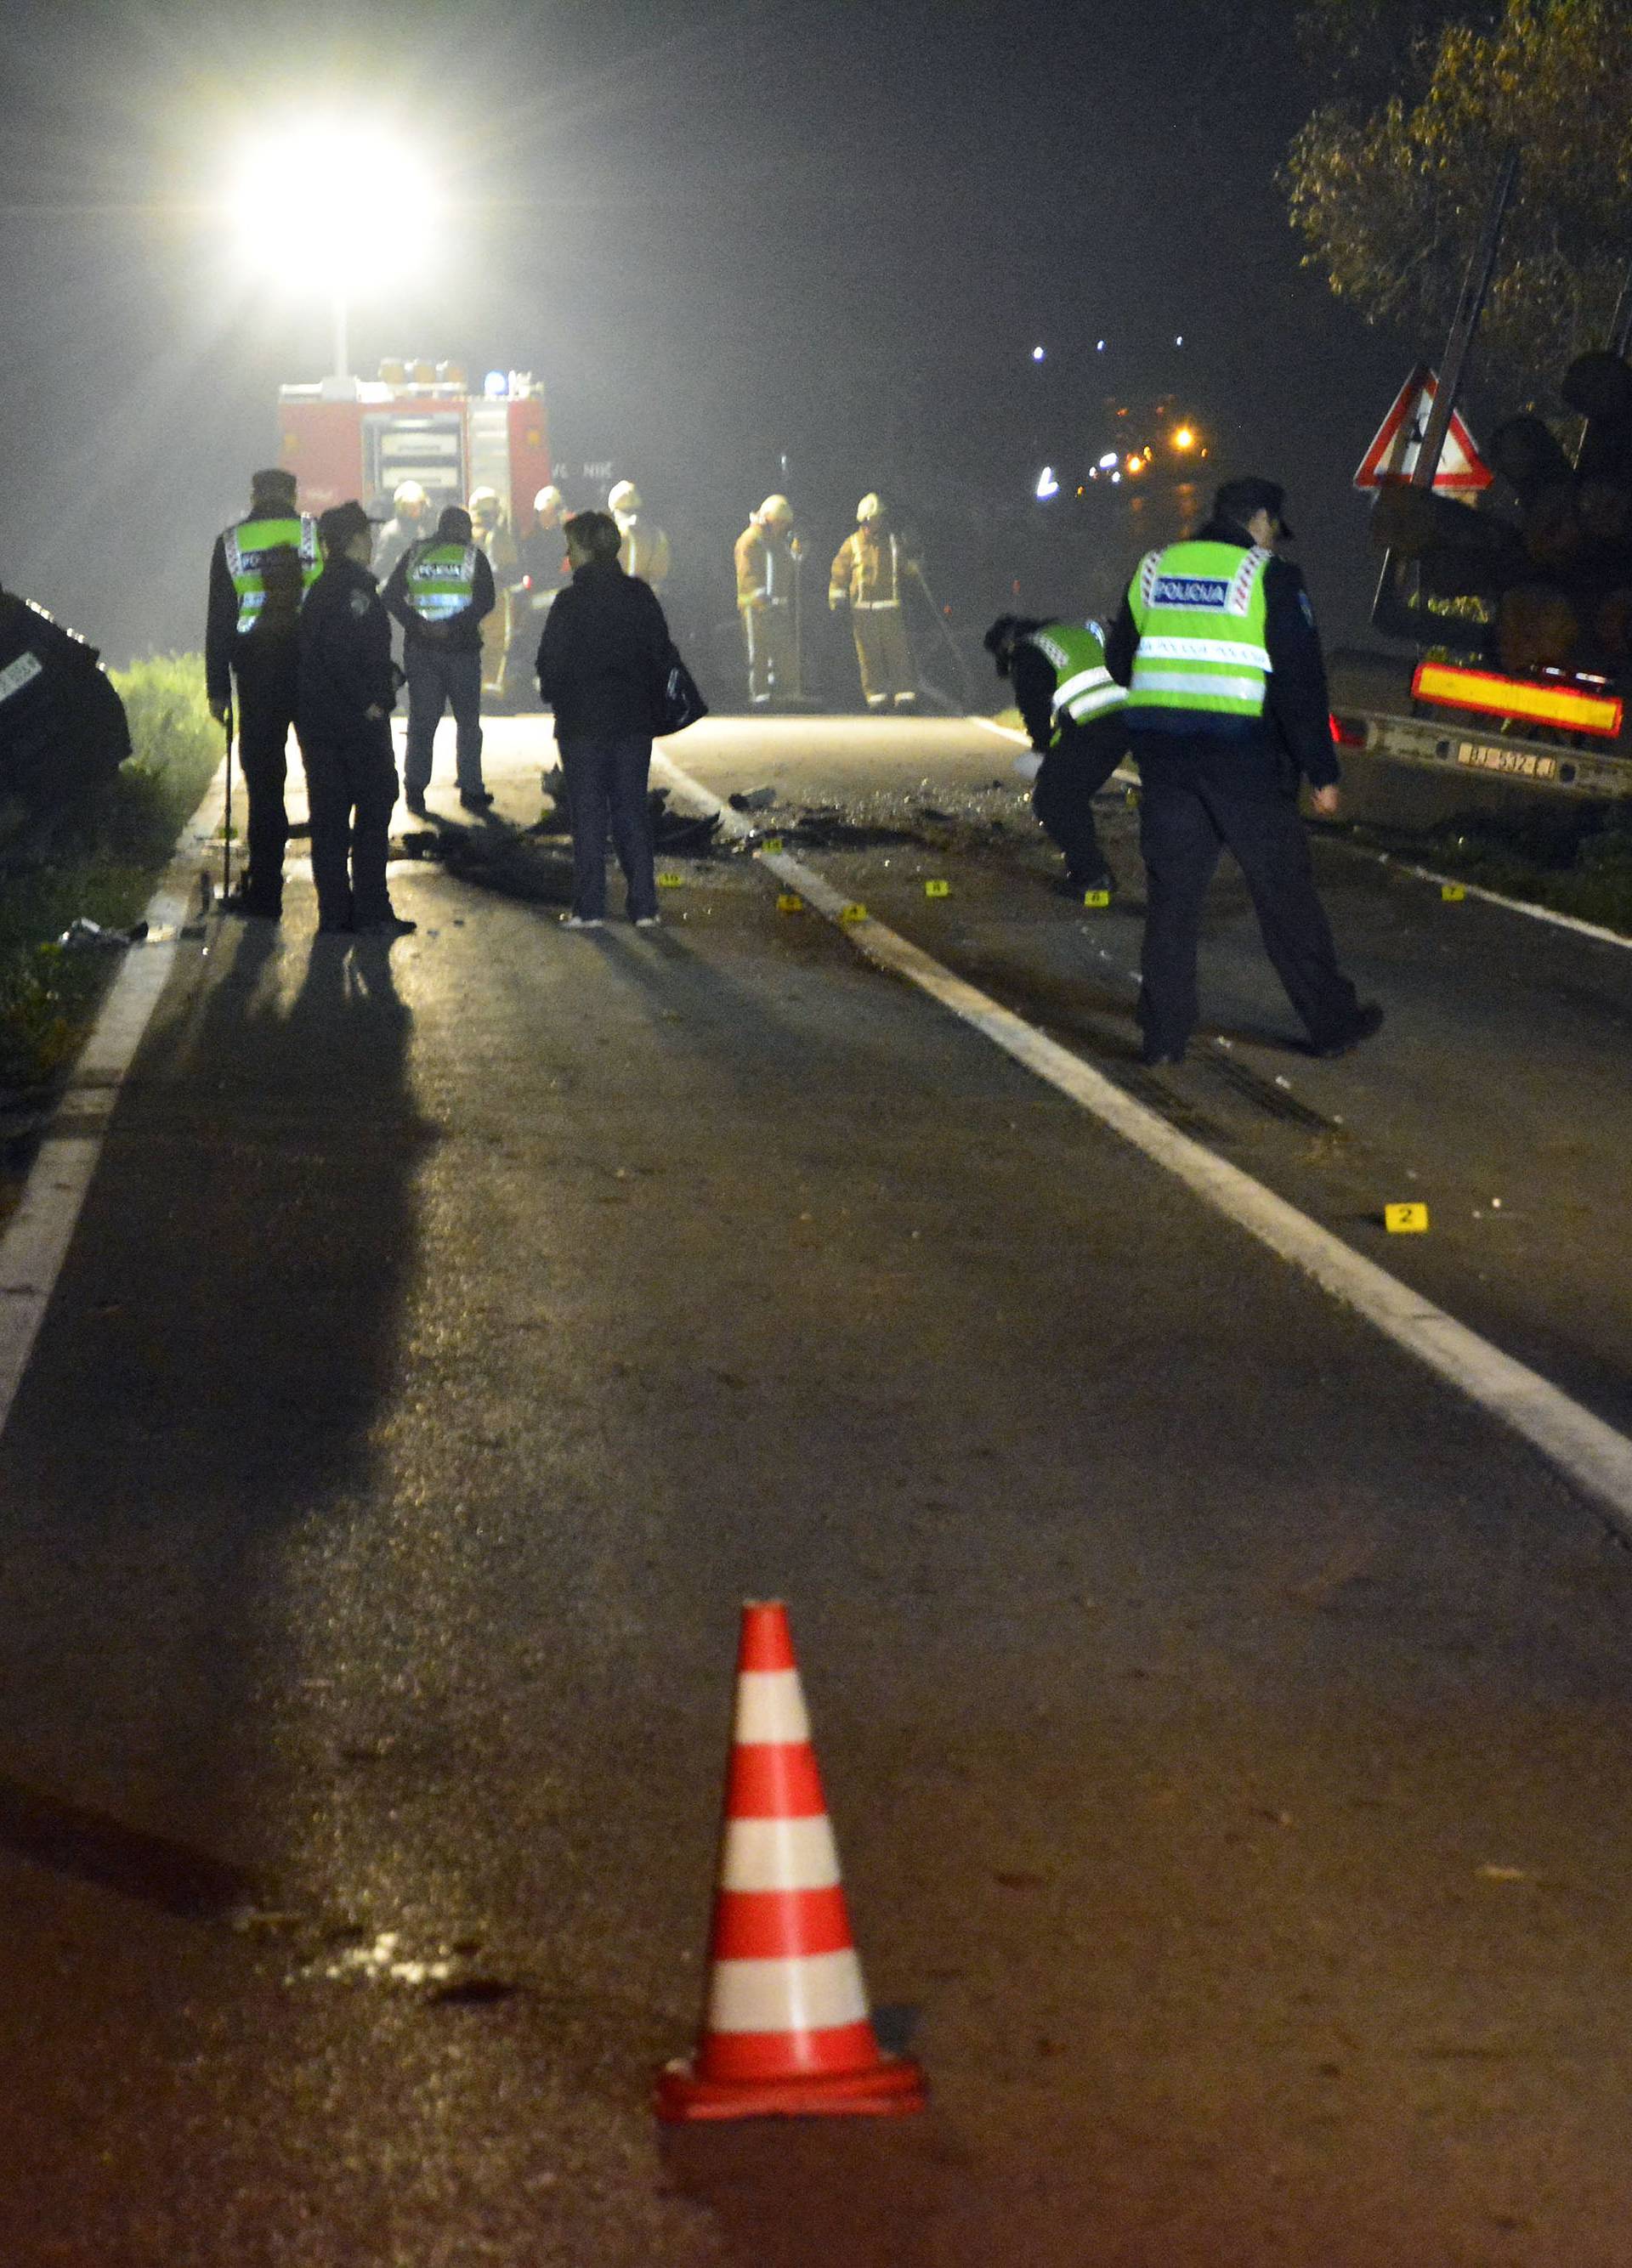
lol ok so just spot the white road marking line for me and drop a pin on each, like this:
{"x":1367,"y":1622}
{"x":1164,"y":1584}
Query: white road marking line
{"x":1593,"y":1455}
{"x":1494,"y":898}
{"x":37,"y":1237}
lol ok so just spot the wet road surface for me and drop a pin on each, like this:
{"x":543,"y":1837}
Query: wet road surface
{"x":1225,"y":1726}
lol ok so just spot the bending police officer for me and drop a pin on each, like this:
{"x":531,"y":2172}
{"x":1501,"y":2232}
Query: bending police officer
{"x":1227,"y":709}
{"x":441,"y":590}
{"x":258,"y":572}
{"x":1074,"y":712}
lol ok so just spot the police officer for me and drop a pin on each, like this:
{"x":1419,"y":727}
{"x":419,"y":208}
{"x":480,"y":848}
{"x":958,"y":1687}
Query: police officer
{"x":767,"y":557}
{"x":258,"y":572}
{"x":1228,"y":709}
{"x":441,"y":590}
{"x":1072,"y":709}
{"x":347,"y":691}
{"x":869,"y":573}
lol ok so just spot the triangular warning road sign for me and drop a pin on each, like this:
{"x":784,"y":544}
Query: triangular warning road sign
{"x":1391,"y":459}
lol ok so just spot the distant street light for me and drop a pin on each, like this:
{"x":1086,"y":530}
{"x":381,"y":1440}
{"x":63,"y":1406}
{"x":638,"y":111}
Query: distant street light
{"x":322,"y":202}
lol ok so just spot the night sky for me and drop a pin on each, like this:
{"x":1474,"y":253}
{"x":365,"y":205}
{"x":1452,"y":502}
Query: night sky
{"x":721,"y":235}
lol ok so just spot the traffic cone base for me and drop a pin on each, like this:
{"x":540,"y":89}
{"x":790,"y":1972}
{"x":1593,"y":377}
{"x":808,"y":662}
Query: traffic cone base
{"x":786,"y":2029}
{"x":889,"y":2087}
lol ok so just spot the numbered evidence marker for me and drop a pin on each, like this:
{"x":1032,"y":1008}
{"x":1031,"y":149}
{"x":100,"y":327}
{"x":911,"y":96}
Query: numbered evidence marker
{"x":852,"y":914}
{"x":671,"y":881}
{"x":772,"y":845}
{"x":1405,"y":1219}
{"x":790,"y":903}
{"x":1096,"y":897}
{"x":1453,"y":892}
{"x":937,"y":889}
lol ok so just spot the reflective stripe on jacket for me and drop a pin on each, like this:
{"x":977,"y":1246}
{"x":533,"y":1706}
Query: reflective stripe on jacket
{"x":441,"y":580}
{"x":1083,"y":687}
{"x":248,"y":546}
{"x":1200,"y":612}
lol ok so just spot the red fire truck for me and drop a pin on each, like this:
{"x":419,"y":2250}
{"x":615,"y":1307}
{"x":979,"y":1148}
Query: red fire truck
{"x":419,"y":420}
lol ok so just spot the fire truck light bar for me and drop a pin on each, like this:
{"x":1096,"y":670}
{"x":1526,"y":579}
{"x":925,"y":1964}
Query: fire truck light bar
{"x":1482,"y":690}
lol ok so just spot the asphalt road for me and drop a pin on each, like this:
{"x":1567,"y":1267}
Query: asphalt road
{"x":1225,"y":1725}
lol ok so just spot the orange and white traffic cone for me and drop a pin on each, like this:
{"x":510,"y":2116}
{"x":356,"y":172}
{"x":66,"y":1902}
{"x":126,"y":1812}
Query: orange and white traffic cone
{"x":787,"y":2028}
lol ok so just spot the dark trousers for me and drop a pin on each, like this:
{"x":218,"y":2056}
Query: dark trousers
{"x":439,"y":676}
{"x":266,"y":710}
{"x":1063,"y":799}
{"x":606,"y":790}
{"x":351,"y":788}
{"x":1182,"y":829}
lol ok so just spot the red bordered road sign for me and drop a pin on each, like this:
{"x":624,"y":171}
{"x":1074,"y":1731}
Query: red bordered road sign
{"x":1391,"y":459}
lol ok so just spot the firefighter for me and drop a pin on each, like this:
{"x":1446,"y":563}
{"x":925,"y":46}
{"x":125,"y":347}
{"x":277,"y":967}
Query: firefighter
{"x":645,"y":552}
{"x":1227,"y":710}
{"x":347,"y":692}
{"x":441,"y":590}
{"x":1074,"y":712}
{"x":260,"y":570}
{"x":870,"y":572}
{"x":411,"y":525}
{"x":495,"y":538}
{"x":767,"y":554}
{"x":543,"y":555}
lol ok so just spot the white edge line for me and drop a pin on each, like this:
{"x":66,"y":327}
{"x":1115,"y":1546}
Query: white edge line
{"x":1589,"y":1452}
{"x":1494,"y":898}
{"x":39,"y":1232}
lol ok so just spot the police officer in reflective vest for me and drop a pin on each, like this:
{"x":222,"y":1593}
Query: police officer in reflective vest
{"x":441,"y":590}
{"x":1227,"y":712}
{"x":260,"y":571}
{"x":1074,"y":712}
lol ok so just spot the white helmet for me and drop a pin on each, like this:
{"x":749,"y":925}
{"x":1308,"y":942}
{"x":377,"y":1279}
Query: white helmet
{"x":777,"y":510}
{"x":625,"y":496}
{"x":550,"y":499}
{"x":871,"y":507}
{"x":408,"y":492}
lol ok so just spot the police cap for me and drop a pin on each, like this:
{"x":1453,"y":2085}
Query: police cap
{"x":1238,"y":500}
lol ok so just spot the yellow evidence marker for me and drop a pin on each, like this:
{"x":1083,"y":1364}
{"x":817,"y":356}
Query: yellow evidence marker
{"x":852,"y":914}
{"x":790,"y":903}
{"x":937,"y":889}
{"x":1453,"y":892}
{"x":772,"y":844}
{"x":1405,"y":1219}
{"x":671,"y":881}
{"x":1096,"y":897}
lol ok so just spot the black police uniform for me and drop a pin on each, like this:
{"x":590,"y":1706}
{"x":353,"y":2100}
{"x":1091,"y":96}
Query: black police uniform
{"x":1208,"y":784}
{"x":345,"y":670}
{"x":264,"y":660}
{"x":1075,"y":766}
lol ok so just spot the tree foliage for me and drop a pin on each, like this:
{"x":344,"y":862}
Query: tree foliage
{"x":1389,"y":194}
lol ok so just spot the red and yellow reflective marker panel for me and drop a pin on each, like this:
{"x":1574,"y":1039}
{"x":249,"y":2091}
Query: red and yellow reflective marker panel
{"x":1492,"y":695}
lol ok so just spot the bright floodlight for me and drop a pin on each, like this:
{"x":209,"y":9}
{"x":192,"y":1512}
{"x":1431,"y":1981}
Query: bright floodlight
{"x":326,"y":202}
{"x":1047,"y":485}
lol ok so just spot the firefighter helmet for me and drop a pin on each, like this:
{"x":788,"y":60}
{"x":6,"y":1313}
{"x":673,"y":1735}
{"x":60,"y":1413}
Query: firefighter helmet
{"x":625,"y":496}
{"x":406,"y":494}
{"x":484,"y":504}
{"x":778,"y":511}
{"x":871,"y":507}
{"x":550,"y":499}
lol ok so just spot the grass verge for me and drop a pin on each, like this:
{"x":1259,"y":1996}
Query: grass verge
{"x":121,"y":844}
{"x":1581,"y":869}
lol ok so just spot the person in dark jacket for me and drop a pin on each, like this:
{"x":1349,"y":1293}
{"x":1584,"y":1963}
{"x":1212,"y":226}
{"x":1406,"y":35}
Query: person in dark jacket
{"x":600,"y":664}
{"x":258,"y":571}
{"x":1057,"y":668}
{"x":1227,"y":710}
{"x":346,"y":692}
{"x":441,"y":591}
